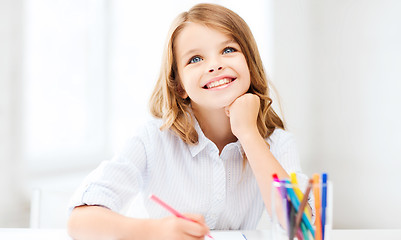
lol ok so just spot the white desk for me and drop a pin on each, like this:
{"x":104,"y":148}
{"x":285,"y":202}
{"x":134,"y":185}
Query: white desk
{"x":61,"y":234}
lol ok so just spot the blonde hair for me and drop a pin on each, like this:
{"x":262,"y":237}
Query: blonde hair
{"x":166,"y":101}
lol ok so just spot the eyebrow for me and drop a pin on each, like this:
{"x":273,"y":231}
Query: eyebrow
{"x":193,"y":51}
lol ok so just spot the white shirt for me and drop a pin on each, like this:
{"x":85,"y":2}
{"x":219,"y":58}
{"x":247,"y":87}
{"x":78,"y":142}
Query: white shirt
{"x":190,"y":178}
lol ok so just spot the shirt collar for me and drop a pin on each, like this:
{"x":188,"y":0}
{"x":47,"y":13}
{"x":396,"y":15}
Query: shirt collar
{"x":204,"y":142}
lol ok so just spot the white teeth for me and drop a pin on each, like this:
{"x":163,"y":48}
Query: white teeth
{"x":218,"y":83}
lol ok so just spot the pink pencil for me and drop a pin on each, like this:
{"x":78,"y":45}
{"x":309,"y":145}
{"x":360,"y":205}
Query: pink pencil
{"x":172,"y":210}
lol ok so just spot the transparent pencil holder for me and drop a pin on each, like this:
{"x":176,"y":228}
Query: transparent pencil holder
{"x":288,"y":223}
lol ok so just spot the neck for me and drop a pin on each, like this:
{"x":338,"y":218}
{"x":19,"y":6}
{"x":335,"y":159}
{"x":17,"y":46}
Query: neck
{"x":215,"y":125}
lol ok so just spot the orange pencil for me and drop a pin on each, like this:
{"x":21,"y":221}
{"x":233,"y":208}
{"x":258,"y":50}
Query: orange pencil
{"x":318,"y":221}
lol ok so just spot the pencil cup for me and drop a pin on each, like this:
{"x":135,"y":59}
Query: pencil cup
{"x":291,"y":221}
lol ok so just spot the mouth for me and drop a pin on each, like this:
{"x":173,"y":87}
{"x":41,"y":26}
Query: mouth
{"x":219,"y":83}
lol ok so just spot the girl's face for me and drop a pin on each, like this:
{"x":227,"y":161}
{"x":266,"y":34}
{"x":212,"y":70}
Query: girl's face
{"x":211,"y":66}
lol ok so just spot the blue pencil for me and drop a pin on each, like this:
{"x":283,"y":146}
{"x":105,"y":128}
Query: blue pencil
{"x":324,"y":201}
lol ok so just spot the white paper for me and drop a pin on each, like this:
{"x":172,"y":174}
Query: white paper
{"x":226,"y":235}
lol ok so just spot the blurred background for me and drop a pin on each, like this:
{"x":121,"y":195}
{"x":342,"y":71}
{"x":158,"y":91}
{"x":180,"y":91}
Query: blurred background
{"x":76,"y":76}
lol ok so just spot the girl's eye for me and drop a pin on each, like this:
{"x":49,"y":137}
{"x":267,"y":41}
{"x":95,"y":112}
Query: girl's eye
{"x":228,"y":50}
{"x":195,"y":59}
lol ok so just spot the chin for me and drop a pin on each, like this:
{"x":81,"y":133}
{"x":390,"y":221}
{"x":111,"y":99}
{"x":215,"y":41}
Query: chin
{"x":228,"y":101}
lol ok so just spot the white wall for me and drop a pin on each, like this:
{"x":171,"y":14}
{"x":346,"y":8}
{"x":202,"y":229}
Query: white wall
{"x":12,"y":204}
{"x":338,"y":69}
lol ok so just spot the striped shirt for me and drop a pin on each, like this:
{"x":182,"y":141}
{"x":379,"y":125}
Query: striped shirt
{"x":191,"y":178}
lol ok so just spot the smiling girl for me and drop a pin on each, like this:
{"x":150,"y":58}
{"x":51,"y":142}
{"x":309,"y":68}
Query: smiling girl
{"x":211,"y":149}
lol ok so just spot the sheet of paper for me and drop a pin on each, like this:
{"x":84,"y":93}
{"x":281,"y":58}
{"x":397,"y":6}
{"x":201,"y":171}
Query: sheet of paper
{"x":226,"y":235}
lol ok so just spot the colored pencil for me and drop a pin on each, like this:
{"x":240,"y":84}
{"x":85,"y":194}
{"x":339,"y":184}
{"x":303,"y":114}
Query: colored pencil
{"x":318,"y":220}
{"x":303,"y":204}
{"x":295,"y":202}
{"x":324,"y":202}
{"x":298,"y":192}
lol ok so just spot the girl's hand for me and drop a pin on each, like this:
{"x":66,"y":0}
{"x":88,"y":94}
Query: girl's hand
{"x":243,"y":113}
{"x":174,"y":228}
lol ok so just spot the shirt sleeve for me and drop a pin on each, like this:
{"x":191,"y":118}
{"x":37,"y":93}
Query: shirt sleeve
{"x":115,"y":182}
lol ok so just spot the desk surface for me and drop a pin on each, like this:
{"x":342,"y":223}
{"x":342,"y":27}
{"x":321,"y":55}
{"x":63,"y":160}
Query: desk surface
{"x":61,"y":234}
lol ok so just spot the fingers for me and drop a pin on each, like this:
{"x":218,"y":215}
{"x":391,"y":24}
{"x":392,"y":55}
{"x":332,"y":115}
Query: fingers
{"x":228,"y":108}
{"x":197,"y":228}
{"x":243,"y":114}
{"x":175,"y":228}
{"x":247,"y":99}
{"x":196,"y":217}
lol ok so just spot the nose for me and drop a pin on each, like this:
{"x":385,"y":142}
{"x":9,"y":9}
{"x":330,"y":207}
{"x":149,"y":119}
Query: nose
{"x":213,"y":69}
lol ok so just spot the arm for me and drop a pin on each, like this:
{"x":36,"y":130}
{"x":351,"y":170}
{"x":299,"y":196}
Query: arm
{"x":107,"y":190}
{"x":95,"y":222}
{"x":243,"y":114}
